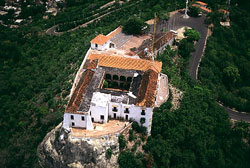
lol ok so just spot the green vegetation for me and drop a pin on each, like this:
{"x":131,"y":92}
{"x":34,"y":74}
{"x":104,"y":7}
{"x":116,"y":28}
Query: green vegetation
{"x":127,"y":159}
{"x":225,"y":66}
{"x":133,"y":26}
{"x":198,"y":134}
{"x":122,"y":141}
{"x":192,"y":35}
{"x":37,"y":72}
{"x":186,"y":46}
{"x":194,"y":11}
{"x":109,"y":153}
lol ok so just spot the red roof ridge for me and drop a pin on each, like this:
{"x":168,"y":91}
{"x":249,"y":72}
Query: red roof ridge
{"x":201,"y":3}
{"x":101,"y":39}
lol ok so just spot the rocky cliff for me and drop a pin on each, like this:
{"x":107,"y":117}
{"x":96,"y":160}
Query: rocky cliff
{"x":60,"y":150}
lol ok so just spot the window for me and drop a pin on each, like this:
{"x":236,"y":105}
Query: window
{"x":72,"y":117}
{"x":126,"y":110}
{"x":96,"y":45}
{"x":83,"y":118}
{"x":142,"y":120}
{"x":102,"y":117}
{"x":143,"y":112}
{"x":73,"y":124}
{"x":114,"y":109}
{"x":92,"y":119}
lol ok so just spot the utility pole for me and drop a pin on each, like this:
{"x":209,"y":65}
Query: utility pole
{"x":185,"y":16}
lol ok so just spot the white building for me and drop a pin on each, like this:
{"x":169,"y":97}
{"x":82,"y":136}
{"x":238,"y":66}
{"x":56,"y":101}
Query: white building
{"x":114,"y":87}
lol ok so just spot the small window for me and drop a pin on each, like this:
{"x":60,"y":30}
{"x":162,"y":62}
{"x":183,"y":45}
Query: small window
{"x":114,"y":109}
{"x":143,"y":112}
{"x":102,"y":117}
{"x":126,"y":110}
{"x":73,"y":124}
{"x":96,"y":45}
{"x":83,"y":118}
{"x":72,"y":117}
{"x":142,"y":120}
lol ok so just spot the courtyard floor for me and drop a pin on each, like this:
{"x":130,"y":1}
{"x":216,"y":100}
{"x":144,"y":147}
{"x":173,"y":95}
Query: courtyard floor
{"x":112,"y":127}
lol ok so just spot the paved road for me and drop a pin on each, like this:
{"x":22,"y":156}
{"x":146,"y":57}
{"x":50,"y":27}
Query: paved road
{"x":176,"y":22}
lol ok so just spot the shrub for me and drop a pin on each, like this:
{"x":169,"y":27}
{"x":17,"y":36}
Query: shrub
{"x":133,"y":26}
{"x":131,"y":135}
{"x":122,"y":141}
{"x":109,"y":153}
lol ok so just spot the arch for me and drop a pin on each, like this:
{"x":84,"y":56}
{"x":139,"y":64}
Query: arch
{"x":107,"y":76}
{"x":115,"y":77}
{"x":122,"y":78}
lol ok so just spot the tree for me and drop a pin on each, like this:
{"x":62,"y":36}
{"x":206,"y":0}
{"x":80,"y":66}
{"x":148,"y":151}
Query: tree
{"x":133,"y":26}
{"x":192,"y":35}
{"x":231,"y":74}
{"x":194,"y":11}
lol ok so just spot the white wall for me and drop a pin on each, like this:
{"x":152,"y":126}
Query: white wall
{"x":134,"y":113}
{"x":97,"y":111}
{"x":67,"y":121}
{"x":101,"y":47}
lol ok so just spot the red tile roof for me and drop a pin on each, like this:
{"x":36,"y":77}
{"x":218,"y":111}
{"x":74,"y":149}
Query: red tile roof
{"x":126,"y":63}
{"x":205,"y":9}
{"x":77,"y":95}
{"x":147,"y":91}
{"x":201,"y":3}
{"x":223,"y":10}
{"x":101,"y":39}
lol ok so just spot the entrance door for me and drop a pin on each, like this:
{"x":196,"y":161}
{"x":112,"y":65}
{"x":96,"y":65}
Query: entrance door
{"x":114,"y":115}
{"x":126,"y":117}
{"x":92,"y":119}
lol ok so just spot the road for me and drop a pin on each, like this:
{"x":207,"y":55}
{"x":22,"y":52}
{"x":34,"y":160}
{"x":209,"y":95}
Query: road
{"x":176,"y":22}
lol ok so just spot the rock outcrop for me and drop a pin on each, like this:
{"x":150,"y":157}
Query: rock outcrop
{"x":60,"y":150}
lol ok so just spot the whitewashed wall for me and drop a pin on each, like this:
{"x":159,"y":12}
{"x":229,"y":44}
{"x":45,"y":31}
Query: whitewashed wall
{"x":97,"y":111}
{"x":134,"y":113}
{"x":101,"y":47}
{"x":67,"y":121}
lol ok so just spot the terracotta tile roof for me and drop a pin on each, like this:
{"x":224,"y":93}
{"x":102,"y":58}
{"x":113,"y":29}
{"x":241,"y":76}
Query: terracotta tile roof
{"x":126,"y":63}
{"x":201,"y":3}
{"x":223,"y":10}
{"x":205,"y":9}
{"x":77,"y":96}
{"x":147,"y":91}
{"x":115,"y":32}
{"x":101,"y":39}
